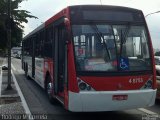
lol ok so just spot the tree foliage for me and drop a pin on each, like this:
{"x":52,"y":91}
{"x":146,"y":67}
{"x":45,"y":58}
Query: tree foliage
{"x":18,"y":17}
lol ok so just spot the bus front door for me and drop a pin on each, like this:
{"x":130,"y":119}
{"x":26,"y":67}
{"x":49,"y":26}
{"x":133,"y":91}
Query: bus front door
{"x":59,"y":64}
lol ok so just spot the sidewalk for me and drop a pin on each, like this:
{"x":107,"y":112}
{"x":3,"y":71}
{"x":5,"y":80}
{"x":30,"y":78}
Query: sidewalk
{"x":10,"y":100}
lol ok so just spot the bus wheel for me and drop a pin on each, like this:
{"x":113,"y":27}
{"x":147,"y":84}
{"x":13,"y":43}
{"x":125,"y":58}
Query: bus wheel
{"x":49,"y":90}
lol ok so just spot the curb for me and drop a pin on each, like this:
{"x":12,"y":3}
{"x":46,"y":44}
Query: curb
{"x":21,"y":95}
{"x":12,"y":102}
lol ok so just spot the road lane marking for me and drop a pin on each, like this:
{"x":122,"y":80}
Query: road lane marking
{"x":147,"y":111}
{"x":19,"y":70}
{"x":13,"y":67}
{"x":1,"y":77}
{"x":21,"y":95}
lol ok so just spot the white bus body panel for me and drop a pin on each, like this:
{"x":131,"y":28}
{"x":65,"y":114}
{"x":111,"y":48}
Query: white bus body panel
{"x":90,"y":101}
{"x":39,"y":71}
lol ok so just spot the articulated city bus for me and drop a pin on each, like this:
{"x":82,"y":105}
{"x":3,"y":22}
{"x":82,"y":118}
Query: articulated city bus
{"x":93,"y":58}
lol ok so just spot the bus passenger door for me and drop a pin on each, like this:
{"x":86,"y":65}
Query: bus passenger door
{"x":59,"y":69}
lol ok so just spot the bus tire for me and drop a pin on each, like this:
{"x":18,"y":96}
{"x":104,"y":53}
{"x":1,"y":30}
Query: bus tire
{"x":48,"y":89}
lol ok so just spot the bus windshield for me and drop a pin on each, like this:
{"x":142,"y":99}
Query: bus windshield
{"x":103,"y":47}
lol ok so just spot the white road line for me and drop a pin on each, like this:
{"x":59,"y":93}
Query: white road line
{"x":13,"y":67}
{"x":21,"y":96}
{"x":1,"y":77}
{"x":0,"y":81}
{"x":147,"y":111}
{"x":20,"y":70}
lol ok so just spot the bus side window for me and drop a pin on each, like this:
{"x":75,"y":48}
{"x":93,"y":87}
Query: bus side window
{"x":30,"y":45}
{"x":48,"y":51}
{"x":42,"y":37}
{"x":37,"y":45}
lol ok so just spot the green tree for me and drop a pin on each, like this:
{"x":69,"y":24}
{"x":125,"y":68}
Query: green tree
{"x":18,"y":17}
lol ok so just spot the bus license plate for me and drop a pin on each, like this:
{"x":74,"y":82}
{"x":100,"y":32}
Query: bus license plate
{"x":119,"y":97}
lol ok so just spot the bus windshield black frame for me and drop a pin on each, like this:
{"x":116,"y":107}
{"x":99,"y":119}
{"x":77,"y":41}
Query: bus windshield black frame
{"x":131,"y":20}
{"x":94,"y":13}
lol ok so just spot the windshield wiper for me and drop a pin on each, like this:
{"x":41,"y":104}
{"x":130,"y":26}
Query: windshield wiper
{"x":123,"y":38}
{"x":99,"y":35}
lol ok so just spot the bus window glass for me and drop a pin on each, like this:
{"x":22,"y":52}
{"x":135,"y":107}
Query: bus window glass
{"x":102,"y":48}
{"x":95,"y":51}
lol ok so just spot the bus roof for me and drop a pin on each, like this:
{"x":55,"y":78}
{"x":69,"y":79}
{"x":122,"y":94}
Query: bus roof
{"x":103,"y":7}
{"x":78,"y":7}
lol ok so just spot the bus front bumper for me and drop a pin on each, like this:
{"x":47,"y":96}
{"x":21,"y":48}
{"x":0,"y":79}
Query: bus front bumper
{"x":90,"y":101}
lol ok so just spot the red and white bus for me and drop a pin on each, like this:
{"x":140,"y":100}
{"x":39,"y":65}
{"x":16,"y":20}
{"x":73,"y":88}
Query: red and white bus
{"x":93,"y":58}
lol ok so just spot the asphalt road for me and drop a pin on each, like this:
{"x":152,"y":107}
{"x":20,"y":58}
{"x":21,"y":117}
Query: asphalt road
{"x":38,"y":103}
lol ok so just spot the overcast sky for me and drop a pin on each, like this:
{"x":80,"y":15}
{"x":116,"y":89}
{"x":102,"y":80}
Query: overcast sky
{"x":44,"y":9}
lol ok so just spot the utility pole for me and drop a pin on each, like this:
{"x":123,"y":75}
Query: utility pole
{"x":101,"y":2}
{"x":152,"y":13}
{"x":9,"y":87}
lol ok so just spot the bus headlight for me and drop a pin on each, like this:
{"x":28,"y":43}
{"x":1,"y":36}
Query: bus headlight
{"x":89,"y":88}
{"x":84,"y":86}
{"x":148,"y":84}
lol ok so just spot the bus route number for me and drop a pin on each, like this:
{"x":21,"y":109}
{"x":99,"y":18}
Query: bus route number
{"x":136,"y":80}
